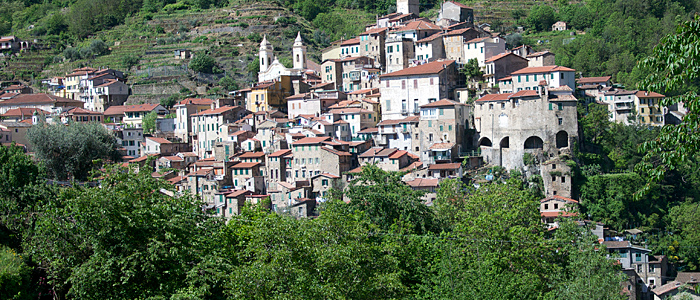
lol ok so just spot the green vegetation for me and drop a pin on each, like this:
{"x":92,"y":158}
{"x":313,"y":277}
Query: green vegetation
{"x":72,"y":152}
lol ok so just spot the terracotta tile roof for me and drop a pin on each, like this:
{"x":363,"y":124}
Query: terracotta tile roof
{"x":201,"y":172}
{"x":371,"y":152}
{"x":668,"y":287}
{"x":159,"y":140}
{"x":172,"y":157}
{"x":336,"y":152}
{"x":459,"y":4}
{"x":585,"y":80}
{"x":423,"y":182}
{"x":536,"y":54}
{"x":311,"y":140}
{"x":115,"y":110}
{"x":24,"y":111}
{"x":506,"y":78}
{"x":430,"y":38}
{"x":409,"y":119}
{"x":39,"y":99}
{"x":457,"y":31}
{"x":398,"y":154}
{"x":413,"y":166}
{"x":502,"y":55}
{"x":188,"y":154}
{"x":142,"y":158}
{"x":477,"y":40}
{"x":443,"y":102}
{"x":245,"y":165}
{"x":252,"y":155}
{"x":440,"y":146}
{"x":374,"y":31}
{"x":82,"y":111}
{"x":545,"y":69}
{"x":350,"y":110}
{"x":434,"y":67}
{"x":356,"y":170}
{"x":329,"y":175}
{"x":215,"y":111}
{"x":321,"y":85}
{"x":364,"y":91}
{"x":352,"y":41}
{"x":176,"y":180}
{"x":369,"y":130}
{"x":195,"y":101}
{"x":108,"y":82}
{"x":340,"y":122}
{"x":525,"y":93}
{"x":558,"y":198}
{"x":563,"y":88}
{"x":449,"y":166}
{"x":645,"y":94}
{"x":141,"y":107}
{"x":418,"y":25}
{"x":620,"y":93}
{"x":688,"y":277}
{"x":281,"y":153}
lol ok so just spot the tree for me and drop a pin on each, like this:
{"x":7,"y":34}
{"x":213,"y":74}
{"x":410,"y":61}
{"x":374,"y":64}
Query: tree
{"x":684,"y":220}
{"x":387,"y":200}
{"x":128,"y":61}
{"x":671,"y":72}
{"x":170,"y":101}
{"x":69,"y":152}
{"x":149,"y":122}
{"x":254,"y":67}
{"x":14,"y":276}
{"x":472,"y":71}
{"x":202,"y":63}
{"x":124,"y":240}
{"x":228,"y":83}
{"x":541,"y":17}
{"x":99,"y":47}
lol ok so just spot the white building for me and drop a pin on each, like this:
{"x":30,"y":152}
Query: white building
{"x":403,"y":92}
{"x":554,"y":76}
{"x":483,"y":48}
{"x":184,"y":110}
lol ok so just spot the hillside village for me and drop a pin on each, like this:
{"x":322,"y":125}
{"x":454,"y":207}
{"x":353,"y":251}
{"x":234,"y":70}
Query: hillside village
{"x":394,"y":96}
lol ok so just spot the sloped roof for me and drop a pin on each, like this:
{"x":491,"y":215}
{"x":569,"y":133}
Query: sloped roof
{"x":195,"y":101}
{"x":502,"y":55}
{"x":423,"y":182}
{"x":336,"y":152}
{"x":115,"y":110}
{"x":585,"y":80}
{"x":311,"y":140}
{"x":24,"y":111}
{"x":141,"y":107}
{"x":252,"y":155}
{"x":443,"y":102}
{"x":281,"y":153}
{"x":434,"y":67}
{"x":245,"y":165}
{"x":545,"y":69}
{"x":159,"y":140}
{"x":215,"y":111}
{"x":557,"y":197}
{"x":351,"y":41}
{"x":459,"y":4}
{"x":38,"y":99}
{"x":448,"y":166}
{"x":645,"y":94}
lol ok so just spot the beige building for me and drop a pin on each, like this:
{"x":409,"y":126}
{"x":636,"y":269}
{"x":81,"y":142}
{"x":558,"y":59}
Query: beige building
{"x":501,"y":66}
{"x":649,"y":109}
{"x":541,"y":59}
{"x":184,"y":110}
{"x":441,"y":122}
{"x":372,"y":43}
{"x":316,"y":155}
{"x":455,"y":43}
{"x":206,"y":125}
{"x":511,"y":125}
{"x":556,"y":206}
{"x":399,"y":53}
{"x":50,"y":103}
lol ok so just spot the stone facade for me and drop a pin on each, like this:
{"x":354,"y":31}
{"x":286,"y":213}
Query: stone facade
{"x":510,"y":125}
{"x":441,"y":122}
{"x":372,"y":44}
{"x":399,"y":53}
{"x":457,"y":12}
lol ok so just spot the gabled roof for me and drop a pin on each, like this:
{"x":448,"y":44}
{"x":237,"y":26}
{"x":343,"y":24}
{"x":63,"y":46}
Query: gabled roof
{"x":434,"y":67}
{"x":311,"y":140}
{"x":430,"y":38}
{"x":195,"y":101}
{"x":409,"y":119}
{"x":252,"y":155}
{"x":477,"y":40}
{"x":587,"y":80}
{"x":398,"y":154}
{"x":417,"y":25}
{"x":281,"y":153}
{"x":215,"y":111}
{"x":457,"y":31}
{"x":449,"y":166}
{"x":336,"y":152}
{"x":39,"y":99}
{"x":558,"y":198}
{"x":525,"y":93}
{"x":352,"y":41}
{"x":645,"y":94}
{"x":350,"y":110}
{"x":141,"y":107}
{"x":369,"y":130}
{"x":545,"y":69}
{"x":443,"y":102}
{"x":24,"y":111}
{"x":374,"y":31}
{"x":159,"y":140}
{"x":115,"y":110}
{"x":173,"y":158}
{"x":328,"y":175}
{"x":245,"y":165}
{"x":81,"y":111}
{"x":502,"y":55}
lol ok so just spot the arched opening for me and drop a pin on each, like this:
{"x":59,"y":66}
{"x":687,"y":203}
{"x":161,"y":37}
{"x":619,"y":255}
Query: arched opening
{"x":534,"y":142}
{"x":505,"y":142}
{"x":485,"y":142}
{"x":562,"y":139}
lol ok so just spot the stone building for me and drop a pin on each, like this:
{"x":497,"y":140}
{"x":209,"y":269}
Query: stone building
{"x":538,"y":123}
{"x":455,"y":43}
{"x":530,"y":78}
{"x":501,"y":66}
{"x":556,"y":177}
{"x":372,"y":43}
{"x":408,"y":7}
{"x":541,"y":59}
{"x":441,"y":122}
{"x":456,"y":12}
{"x":316,"y":155}
{"x":483,"y":48}
{"x":430,"y":48}
{"x":399,"y":53}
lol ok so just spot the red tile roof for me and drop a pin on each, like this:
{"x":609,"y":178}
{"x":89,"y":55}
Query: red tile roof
{"x":245,"y":165}
{"x":352,"y":41}
{"x":645,"y":94}
{"x":159,"y":140}
{"x":215,"y":111}
{"x":418,"y":25}
{"x":477,"y":40}
{"x":115,"y":110}
{"x":195,"y":101}
{"x":141,"y":107}
{"x":311,"y":140}
{"x":82,"y":111}
{"x":24,"y":111}
{"x":545,"y":69}
{"x":172,"y":157}
{"x":457,"y":31}
{"x":439,"y":146}
{"x":443,"y":102}
{"x":550,"y":214}
{"x":502,"y":55}
{"x":398,"y":154}
{"x":39,"y":99}
{"x":450,"y":166}
{"x":584,"y":80}
{"x":336,"y":152}
{"x":252,"y":155}
{"x":430,"y":38}
{"x":423,"y":182}
{"x":434,"y":67}
{"x":281,"y":153}
{"x":374,"y":31}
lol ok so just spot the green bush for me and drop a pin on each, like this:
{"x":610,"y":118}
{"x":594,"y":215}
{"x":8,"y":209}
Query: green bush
{"x":202,"y":63}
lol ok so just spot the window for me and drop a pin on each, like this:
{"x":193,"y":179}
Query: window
{"x":403,"y":84}
{"x":490,"y":106}
{"x":503,"y":105}
{"x":324,"y":182}
{"x":556,"y":205}
{"x":563,"y":179}
{"x":442,"y":111}
{"x":431,"y":81}
{"x":652,"y":269}
{"x":430,"y":123}
{"x":550,"y":106}
{"x":638,"y":257}
{"x":623,"y":254}
{"x":441,"y":128}
{"x":560,"y":106}
{"x":561,"y":121}
{"x":387,"y":83}
{"x":449,"y":127}
{"x":640,"y":268}
{"x":546,"y":206}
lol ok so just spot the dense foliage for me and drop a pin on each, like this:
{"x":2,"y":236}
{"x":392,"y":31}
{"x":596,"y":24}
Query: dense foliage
{"x":70,"y":151}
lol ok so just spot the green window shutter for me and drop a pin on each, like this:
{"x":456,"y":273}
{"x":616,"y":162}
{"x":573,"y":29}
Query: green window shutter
{"x":550,"y":106}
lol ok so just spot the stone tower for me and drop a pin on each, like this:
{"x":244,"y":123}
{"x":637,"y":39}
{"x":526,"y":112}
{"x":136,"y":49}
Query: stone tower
{"x":407,"y":6}
{"x":299,"y":53}
{"x":265,"y":54}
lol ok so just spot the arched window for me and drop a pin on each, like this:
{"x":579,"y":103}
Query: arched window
{"x":534,"y":142}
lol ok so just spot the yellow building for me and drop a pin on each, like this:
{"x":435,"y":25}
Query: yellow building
{"x":649,"y":110}
{"x":270,"y":95}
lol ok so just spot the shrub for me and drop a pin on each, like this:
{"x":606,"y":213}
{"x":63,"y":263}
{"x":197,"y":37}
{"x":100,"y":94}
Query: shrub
{"x":202,"y":63}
